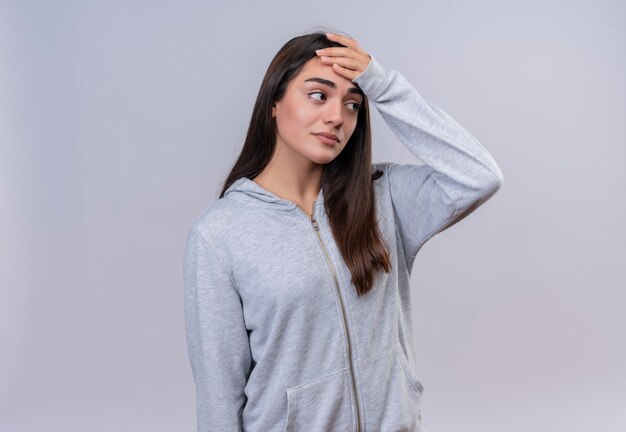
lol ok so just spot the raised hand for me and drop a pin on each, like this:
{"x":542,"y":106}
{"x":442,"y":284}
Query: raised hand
{"x":349,"y":61}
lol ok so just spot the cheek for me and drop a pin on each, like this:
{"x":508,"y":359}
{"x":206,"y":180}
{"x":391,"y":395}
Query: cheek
{"x":293,"y":118}
{"x":351,"y":126}
{"x":285,"y":122}
{"x":302,"y":115}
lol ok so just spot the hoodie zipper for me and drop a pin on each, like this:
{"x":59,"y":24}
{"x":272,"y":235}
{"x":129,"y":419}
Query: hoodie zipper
{"x":343,"y":311}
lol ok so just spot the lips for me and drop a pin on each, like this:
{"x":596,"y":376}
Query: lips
{"x":328,"y":138}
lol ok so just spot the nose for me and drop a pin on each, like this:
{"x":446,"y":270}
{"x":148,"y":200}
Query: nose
{"x":334,"y":113}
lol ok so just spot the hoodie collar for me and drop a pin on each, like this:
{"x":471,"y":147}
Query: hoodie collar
{"x":248,"y":191}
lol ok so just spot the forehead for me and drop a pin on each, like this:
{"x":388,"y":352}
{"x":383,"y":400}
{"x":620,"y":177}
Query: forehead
{"x":314,"y":68}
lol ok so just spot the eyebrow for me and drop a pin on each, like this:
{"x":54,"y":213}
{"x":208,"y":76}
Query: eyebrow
{"x":333,"y":85}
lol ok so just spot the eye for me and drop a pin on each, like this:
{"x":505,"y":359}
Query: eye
{"x":322,"y":95}
{"x":355,"y":106}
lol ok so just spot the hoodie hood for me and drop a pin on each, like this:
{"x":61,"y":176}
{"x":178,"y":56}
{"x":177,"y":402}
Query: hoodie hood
{"x":247,"y":191}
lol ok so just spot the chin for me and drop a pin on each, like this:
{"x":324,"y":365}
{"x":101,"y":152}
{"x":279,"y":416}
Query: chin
{"x":323,"y":159}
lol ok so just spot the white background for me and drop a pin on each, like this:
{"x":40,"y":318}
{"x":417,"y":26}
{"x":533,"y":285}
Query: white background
{"x":119,"y":120}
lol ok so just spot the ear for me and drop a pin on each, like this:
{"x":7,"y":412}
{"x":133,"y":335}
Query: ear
{"x":274,"y":111}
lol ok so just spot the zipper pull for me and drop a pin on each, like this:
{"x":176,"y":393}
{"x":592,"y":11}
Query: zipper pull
{"x":314,"y":221}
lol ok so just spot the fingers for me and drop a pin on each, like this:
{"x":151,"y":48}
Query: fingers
{"x":344,"y":40}
{"x":349,"y":60}
{"x":352,"y":49}
{"x":346,"y":66}
{"x":346,"y":62}
{"x":357,"y":63}
{"x":338,"y":51}
{"x":348,"y":73}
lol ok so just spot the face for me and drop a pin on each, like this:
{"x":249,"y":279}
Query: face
{"x":318,"y":113}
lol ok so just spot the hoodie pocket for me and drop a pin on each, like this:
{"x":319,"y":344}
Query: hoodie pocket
{"x":321,"y":405}
{"x":413,"y":379}
{"x":392,"y":393}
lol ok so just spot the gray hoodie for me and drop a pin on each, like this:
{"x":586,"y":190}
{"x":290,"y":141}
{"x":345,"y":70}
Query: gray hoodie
{"x":277,"y":337}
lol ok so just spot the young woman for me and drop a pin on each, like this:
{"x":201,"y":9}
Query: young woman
{"x":296,"y":280}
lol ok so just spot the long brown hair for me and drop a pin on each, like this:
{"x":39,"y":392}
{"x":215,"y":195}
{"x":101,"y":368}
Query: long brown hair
{"x":349,"y":197}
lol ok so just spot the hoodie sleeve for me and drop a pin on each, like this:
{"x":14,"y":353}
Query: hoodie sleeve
{"x":457,"y":175}
{"x":217,"y":339}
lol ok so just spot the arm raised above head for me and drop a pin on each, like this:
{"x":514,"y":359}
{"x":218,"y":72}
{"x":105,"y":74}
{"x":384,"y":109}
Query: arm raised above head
{"x":457,"y":175}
